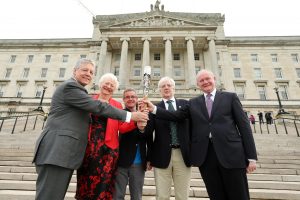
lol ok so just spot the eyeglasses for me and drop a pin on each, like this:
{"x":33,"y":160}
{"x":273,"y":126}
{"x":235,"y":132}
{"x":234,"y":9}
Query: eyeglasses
{"x":130,"y":97}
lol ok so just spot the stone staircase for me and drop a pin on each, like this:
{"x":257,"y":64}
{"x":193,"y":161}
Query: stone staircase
{"x":277,"y":176}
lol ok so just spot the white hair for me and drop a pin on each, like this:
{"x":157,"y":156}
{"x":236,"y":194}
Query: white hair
{"x":204,"y":71}
{"x":166,"y":79}
{"x":109,"y":76}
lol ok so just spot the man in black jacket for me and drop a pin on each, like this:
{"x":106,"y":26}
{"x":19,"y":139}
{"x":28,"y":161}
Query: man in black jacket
{"x":132,"y":156}
{"x":170,"y":149}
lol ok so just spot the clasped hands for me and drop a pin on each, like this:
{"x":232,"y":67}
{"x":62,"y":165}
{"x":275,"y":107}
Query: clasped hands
{"x":144,"y":107}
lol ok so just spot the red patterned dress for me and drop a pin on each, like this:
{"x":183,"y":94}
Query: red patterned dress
{"x":96,"y":176}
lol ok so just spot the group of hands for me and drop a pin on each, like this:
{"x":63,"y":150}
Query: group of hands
{"x":142,"y":115}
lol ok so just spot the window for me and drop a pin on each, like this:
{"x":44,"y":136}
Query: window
{"x":176,"y":56}
{"x":2,"y":87}
{"x":254,"y":57}
{"x":220,"y":71}
{"x":237,"y":72}
{"x":39,"y":90}
{"x":8,"y":72}
{"x":13,"y":58}
{"x":197,"y":56}
{"x":82,"y":56}
{"x":295,"y":57}
{"x":44,"y":72}
{"x":30,"y":59}
{"x":62,"y":72}
{"x":298,"y":72}
{"x":136,"y":71}
{"x":65,"y":58}
{"x":47,"y":58}
{"x":234,"y":57}
{"x":137,"y":56}
{"x":25,"y":73}
{"x":282,"y":90}
{"x":262,"y":92}
{"x":218,"y":56}
{"x":274,"y":57}
{"x":19,"y":90}
{"x":240,"y":91}
{"x":156,"y":71}
{"x":278,"y":72}
{"x":257,"y":73}
{"x":116,"y":71}
{"x":96,"y":70}
{"x":12,"y":110}
{"x":197,"y":69}
{"x":177,"y":71}
{"x":157,"y":56}
{"x":98,"y":56}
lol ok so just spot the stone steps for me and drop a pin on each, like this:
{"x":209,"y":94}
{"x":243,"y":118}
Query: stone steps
{"x":8,"y":175}
{"x":195,"y":192}
{"x":277,"y":175}
{"x":27,"y":184}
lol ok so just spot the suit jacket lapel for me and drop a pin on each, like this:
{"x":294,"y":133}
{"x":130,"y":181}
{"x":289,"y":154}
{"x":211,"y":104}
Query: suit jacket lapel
{"x":203,"y":106}
{"x":178,"y":105}
{"x":216,"y":103}
{"x":161,"y":104}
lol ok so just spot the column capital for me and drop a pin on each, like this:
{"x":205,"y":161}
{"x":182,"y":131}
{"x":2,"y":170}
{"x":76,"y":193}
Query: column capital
{"x":146,"y":38}
{"x":125,"y":38}
{"x":189,"y":38}
{"x":167,"y":38}
{"x":211,"y":38}
{"x":104,"y":39}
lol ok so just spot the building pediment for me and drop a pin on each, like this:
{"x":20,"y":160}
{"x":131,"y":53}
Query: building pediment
{"x":158,"y":21}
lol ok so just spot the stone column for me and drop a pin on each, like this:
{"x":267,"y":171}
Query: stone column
{"x":102,"y":59}
{"x":168,"y":56}
{"x":123,"y":62}
{"x":213,"y":57}
{"x":146,"y":52}
{"x":191,"y":78}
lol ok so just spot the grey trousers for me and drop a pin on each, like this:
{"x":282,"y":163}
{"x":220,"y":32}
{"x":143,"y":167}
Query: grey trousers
{"x":134,"y":175}
{"x":52,"y":182}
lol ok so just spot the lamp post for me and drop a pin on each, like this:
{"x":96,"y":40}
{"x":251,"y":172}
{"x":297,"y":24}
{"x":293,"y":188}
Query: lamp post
{"x":281,"y":110}
{"x":40,"y":108}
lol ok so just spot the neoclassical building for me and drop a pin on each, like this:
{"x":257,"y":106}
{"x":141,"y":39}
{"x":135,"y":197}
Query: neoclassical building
{"x":175,"y":44}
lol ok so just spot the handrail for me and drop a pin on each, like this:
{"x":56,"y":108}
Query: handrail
{"x":289,"y":125}
{"x":17,"y":115}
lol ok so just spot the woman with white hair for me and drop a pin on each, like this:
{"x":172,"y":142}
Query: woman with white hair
{"x":96,"y":176}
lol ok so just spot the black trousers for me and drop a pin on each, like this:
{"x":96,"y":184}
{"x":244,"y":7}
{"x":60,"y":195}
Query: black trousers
{"x":222,"y":183}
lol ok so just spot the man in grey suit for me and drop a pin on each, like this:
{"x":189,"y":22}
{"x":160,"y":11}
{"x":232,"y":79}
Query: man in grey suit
{"x":61,"y":146}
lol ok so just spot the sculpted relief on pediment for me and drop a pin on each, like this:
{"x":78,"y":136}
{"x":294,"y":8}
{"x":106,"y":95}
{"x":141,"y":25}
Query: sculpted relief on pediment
{"x":157,"y":22}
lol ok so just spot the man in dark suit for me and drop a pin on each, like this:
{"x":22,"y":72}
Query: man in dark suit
{"x":169,"y":153}
{"x":132,"y":155}
{"x":61,"y":146}
{"x":222,"y":144}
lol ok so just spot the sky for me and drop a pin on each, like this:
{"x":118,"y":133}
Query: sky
{"x":42,"y":19}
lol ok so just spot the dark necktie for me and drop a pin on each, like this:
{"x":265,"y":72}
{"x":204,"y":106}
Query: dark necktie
{"x":173,"y":125}
{"x":209,"y":103}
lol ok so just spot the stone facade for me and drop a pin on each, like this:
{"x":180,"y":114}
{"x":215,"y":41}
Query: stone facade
{"x":173,"y":44}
